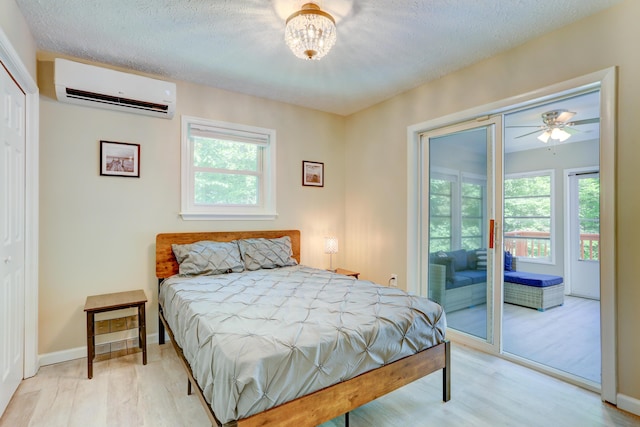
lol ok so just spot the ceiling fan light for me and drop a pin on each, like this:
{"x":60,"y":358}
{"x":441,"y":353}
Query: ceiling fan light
{"x":310,"y":32}
{"x":555,"y":133}
{"x":544,"y":136}
{"x":564,"y":135}
{"x":560,"y":134}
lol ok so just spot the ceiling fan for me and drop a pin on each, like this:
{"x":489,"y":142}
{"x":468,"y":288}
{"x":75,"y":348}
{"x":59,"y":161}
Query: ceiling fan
{"x":557,"y":125}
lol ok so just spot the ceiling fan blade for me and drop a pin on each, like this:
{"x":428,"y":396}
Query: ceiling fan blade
{"x":585,"y":121}
{"x":571,"y":131}
{"x":527,"y":134}
{"x":565,"y":116}
{"x":530,"y":126}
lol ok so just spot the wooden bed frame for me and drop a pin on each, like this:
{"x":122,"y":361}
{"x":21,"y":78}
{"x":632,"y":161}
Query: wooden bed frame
{"x":322,"y":405}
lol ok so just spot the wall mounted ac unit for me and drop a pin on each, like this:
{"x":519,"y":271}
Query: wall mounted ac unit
{"x":93,"y":86}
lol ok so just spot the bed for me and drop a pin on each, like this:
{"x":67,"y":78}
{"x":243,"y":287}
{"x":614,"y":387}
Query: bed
{"x":296,"y":373}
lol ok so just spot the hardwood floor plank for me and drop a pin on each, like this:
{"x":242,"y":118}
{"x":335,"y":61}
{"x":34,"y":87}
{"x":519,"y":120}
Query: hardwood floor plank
{"x":486,"y":391}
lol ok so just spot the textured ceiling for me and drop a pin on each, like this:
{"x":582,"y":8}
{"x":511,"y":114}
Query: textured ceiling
{"x":384,"y":47}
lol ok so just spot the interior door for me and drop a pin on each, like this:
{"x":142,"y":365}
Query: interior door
{"x":458,"y":199}
{"x":584,"y":223}
{"x":12,"y":246}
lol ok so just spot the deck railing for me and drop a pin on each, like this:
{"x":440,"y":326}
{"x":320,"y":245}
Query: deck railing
{"x":537,"y":244}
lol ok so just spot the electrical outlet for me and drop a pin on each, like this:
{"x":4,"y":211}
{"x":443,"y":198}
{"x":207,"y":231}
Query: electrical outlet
{"x":393,"y":281}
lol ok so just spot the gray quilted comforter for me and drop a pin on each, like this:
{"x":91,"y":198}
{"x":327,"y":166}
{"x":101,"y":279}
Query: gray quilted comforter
{"x":260,"y":338}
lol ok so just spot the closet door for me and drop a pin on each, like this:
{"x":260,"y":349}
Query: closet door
{"x":12,"y":231}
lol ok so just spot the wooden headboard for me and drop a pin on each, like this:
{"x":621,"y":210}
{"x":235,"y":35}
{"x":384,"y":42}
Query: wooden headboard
{"x":166,"y":264}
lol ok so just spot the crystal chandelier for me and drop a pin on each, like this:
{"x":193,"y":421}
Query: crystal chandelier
{"x":310,"y":33}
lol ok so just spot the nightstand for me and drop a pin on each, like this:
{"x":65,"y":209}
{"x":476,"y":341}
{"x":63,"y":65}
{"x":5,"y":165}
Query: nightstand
{"x":108,"y":302}
{"x":347,"y":272}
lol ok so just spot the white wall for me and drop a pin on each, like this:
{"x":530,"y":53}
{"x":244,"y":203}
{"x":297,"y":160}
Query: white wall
{"x":15,"y":28}
{"x":98,"y":233}
{"x":376,"y":151}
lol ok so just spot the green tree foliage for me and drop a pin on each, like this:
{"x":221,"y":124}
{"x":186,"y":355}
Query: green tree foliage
{"x":440,"y":218}
{"x":589,"y":215}
{"x":589,"y":205}
{"x":527,"y":204}
{"x":227,"y":172}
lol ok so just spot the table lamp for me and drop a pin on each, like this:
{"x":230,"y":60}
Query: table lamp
{"x":331,"y":247}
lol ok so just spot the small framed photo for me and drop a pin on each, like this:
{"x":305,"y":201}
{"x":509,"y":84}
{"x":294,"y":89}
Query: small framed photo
{"x":312,"y":174}
{"x":119,"y":159}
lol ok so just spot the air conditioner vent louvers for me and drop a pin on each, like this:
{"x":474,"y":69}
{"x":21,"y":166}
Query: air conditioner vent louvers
{"x":114,"y":100}
{"x":92,"y":86}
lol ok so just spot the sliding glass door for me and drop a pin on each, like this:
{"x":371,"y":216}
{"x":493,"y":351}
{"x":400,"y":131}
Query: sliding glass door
{"x":458,"y":233}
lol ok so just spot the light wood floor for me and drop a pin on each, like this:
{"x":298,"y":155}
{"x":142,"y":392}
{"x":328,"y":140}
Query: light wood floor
{"x":486,"y":391}
{"x":566,"y":337}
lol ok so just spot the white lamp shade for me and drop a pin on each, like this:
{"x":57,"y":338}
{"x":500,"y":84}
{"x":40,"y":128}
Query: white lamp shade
{"x":331,"y":245}
{"x":544,"y":137}
{"x":564,"y":135}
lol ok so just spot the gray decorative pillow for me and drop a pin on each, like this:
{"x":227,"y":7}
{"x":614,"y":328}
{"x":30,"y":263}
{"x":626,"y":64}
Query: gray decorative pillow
{"x":266,"y":253}
{"x":208,"y":258}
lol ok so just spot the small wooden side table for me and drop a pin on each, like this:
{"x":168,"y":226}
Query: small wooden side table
{"x":109,"y":302}
{"x":347,"y":272}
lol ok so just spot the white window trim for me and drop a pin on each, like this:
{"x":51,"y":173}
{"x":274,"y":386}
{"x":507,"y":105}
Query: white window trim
{"x":552,"y":177}
{"x":266,"y":211}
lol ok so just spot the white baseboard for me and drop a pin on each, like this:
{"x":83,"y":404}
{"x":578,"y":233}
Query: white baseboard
{"x":628,"y":404}
{"x":76,"y":353}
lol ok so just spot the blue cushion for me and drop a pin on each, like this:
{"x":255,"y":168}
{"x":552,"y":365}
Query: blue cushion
{"x":508,"y":258}
{"x":458,"y":282}
{"x":532,"y":279}
{"x":476,"y":276}
{"x":460,"y":259}
{"x":472,"y":261}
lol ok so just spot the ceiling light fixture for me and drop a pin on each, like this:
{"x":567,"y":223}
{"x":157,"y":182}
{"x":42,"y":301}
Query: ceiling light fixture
{"x":310,"y":32}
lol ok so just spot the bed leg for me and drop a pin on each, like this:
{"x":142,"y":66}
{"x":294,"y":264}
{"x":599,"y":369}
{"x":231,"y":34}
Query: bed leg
{"x":346,"y":420}
{"x":160,"y":324}
{"x":160,"y":331}
{"x":446,"y":373}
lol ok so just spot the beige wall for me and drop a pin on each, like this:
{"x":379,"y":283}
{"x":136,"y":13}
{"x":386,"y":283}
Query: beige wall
{"x":15,"y":28}
{"x":98,"y":233}
{"x":376,"y":147}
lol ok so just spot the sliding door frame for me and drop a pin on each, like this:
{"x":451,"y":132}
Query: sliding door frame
{"x":492,"y":209}
{"x":604,"y":80}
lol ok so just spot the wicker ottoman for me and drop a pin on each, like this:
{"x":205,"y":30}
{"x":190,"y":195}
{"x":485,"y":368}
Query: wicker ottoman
{"x":536,"y":297}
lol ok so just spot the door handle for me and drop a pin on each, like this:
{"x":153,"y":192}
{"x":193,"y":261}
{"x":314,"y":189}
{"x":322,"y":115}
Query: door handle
{"x":491,"y":233}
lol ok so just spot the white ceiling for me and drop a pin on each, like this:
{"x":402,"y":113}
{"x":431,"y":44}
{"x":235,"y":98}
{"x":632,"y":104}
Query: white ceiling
{"x":384,"y":47}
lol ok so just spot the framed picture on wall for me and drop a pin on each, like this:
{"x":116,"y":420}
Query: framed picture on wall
{"x":312,"y":174}
{"x":119,"y":159}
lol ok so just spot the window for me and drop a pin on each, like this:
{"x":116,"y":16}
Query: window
{"x":457,"y":210}
{"x":228,"y":170}
{"x":440,"y":218}
{"x":472,"y":218}
{"x":527,"y":215}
